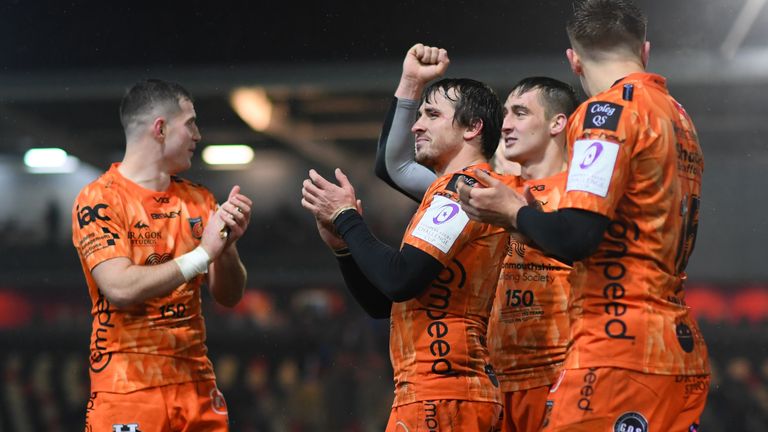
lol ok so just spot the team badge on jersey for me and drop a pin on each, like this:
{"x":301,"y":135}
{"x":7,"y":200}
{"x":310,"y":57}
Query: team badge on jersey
{"x":591,"y":168}
{"x":196,"y":225}
{"x":602,"y":115}
{"x":442,"y":223}
{"x":631,"y":422}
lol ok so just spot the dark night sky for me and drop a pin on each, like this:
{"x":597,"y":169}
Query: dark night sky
{"x":97,"y":34}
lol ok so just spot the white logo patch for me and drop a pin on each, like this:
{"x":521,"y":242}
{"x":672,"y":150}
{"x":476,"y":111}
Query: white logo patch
{"x":442,"y":223}
{"x":591,"y":168}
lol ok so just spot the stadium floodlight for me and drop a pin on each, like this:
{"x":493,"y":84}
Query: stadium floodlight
{"x":253,"y":106}
{"x":227,"y":154}
{"x":49,"y":161}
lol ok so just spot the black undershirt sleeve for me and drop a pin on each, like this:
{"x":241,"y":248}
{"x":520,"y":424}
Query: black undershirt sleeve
{"x":398,"y":274}
{"x":569,"y":234}
{"x":376,"y":304}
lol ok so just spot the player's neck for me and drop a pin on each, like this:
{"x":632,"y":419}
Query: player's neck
{"x":552,"y":161}
{"x":145,"y":169}
{"x":464,"y":158}
{"x":600,"y":76}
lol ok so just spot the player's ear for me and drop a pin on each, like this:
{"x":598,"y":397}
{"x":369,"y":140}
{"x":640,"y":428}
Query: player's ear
{"x":474,"y":129}
{"x":159,"y":127}
{"x":558,"y":124}
{"x":646,"y":53}
{"x":575,"y":61}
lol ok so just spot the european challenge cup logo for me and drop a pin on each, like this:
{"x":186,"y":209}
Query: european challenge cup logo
{"x":592,"y":153}
{"x":446,"y":213}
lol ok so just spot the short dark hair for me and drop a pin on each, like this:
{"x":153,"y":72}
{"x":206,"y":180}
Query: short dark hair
{"x":145,"y":96}
{"x":472,"y":101}
{"x":556,"y":96}
{"x":607,"y":25}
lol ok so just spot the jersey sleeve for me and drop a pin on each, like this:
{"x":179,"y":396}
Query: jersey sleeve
{"x":602,"y":138}
{"x":440,"y":227}
{"x":99,"y":230}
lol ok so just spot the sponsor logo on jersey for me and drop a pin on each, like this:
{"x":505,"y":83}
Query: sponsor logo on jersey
{"x":156,"y":258}
{"x":110,"y":236}
{"x":162,"y":199}
{"x":140,"y":225}
{"x":100,"y":359}
{"x":144,"y":238}
{"x":437,"y":300}
{"x":442,"y":223}
{"x":169,"y":215}
{"x":94,"y":242}
{"x":587,"y":390}
{"x":430,"y":416}
{"x":592,"y":165}
{"x":631,"y":422}
{"x":515,"y":247}
{"x":453,"y":182}
{"x":89,"y":214}
{"x":602,"y":115}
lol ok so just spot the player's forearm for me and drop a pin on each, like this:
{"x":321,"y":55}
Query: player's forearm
{"x":376,"y":304}
{"x":125,"y":284}
{"x":394,"y":154}
{"x":399,"y":275}
{"x":227,"y":276}
{"x":570,"y":234}
{"x":409,"y":89}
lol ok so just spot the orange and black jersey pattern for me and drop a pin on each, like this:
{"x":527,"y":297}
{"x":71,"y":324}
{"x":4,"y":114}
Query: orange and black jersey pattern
{"x":528,"y":327}
{"x":160,"y":341}
{"x":438,"y":339}
{"x":635,"y":158}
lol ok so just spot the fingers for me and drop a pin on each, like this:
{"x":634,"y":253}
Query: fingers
{"x":318,"y":180}
{"x":309,"y":189}
{"x":429,"y":55}
{"x":442,"y":57}
{"x":417,"y":50}
{"x":464,"y":190}
{"x":486,"y":179}
{"x":309,"y":206}
{"x":343,"y":180}
{"x":531,"y":200}
{"x":235,"y":190}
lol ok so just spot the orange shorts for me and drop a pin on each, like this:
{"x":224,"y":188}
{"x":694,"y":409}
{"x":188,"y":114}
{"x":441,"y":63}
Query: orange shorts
{"x":621,"y":400}
{"x":446,"y":416}
{"x":524,"y":409}
{"x":192,"y":406}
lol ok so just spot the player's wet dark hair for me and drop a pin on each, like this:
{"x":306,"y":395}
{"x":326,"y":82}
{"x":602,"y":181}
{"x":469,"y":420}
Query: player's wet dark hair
{"x":473,"y":101}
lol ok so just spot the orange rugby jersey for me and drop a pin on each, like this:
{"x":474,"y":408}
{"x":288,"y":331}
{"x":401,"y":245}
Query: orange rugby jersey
{"x":635,"y":158}
{"x":528,"y":328}
{"x":438,"y":340}
{"x":160,"y":341}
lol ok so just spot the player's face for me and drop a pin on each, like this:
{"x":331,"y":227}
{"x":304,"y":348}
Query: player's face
{"x":438,"y":137}
{"x":525,"y":130}
{"x":181,"y":136}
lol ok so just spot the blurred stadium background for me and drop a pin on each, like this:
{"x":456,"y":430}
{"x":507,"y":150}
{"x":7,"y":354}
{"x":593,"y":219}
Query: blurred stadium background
{"x":297,"y":354}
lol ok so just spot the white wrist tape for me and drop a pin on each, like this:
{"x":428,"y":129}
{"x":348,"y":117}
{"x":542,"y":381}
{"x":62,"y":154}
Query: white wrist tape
{"x":193,"y":263}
